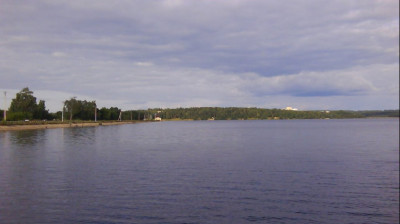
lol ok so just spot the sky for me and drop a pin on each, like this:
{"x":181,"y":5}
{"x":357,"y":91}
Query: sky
{"x":139,"y":54}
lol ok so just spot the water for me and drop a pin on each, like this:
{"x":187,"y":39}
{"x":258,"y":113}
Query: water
{"x":289,"y":171}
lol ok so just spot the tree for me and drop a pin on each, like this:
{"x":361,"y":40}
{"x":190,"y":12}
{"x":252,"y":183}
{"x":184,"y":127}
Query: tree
{"x":86,"y":110}
{"x":80,"y":109}
{"x":24,"y":106}
{"x":71,"y":107}
{"x":41,"y":112}
{"x":24,"y":102}
{"x":104,"y":114}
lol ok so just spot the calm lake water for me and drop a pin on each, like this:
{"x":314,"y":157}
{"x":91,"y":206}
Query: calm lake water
{"x":284,"y":171}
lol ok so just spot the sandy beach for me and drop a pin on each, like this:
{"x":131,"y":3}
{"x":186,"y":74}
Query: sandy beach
{"x":69,"y":125}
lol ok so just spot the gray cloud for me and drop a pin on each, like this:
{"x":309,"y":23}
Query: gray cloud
{"x":203,"y":53}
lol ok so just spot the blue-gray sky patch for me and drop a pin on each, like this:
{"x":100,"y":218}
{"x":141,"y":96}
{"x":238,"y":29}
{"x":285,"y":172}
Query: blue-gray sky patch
{"x":179,"y":53}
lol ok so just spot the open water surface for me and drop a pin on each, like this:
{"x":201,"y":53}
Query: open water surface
{"x":284,"y":171}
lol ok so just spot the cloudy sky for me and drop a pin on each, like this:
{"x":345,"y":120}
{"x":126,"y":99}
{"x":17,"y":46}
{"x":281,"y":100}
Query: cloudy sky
{"x":136,"y":54}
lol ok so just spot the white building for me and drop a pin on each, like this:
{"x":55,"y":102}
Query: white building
{"x":290,"y":108}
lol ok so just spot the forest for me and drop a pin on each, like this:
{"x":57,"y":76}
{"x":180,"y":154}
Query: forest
{"x":25,"y":107}
{"x":240,"y":113}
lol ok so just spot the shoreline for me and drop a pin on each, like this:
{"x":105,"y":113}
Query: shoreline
{"x":67,"y":125}
{"x":22,"y":127}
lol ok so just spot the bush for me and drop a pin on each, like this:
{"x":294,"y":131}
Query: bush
{"x":19,"y":116}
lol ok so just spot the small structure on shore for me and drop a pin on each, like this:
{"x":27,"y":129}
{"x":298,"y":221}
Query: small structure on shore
{"x":290,"y":108}
{"x":157,"y":116}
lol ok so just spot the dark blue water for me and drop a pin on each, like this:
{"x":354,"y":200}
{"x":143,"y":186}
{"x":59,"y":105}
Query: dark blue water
{"x":289,"y":171}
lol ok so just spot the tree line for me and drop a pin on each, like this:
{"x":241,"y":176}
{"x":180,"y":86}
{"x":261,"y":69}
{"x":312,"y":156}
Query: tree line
{"x":25,"y":107}
{"x":240,"y":113}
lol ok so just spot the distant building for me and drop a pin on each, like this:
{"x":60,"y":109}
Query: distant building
{"x":157,"y":116}
{"x":290,"y":108}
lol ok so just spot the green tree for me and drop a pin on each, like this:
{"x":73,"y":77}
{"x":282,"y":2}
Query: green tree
{"x":41,"y":112}
{"x":71,"y":107}
{"x":24,"y":101}
{"x":85,"y":110}
{"x":80,"y":109}
{"x":104,"y":114}
{"x":24,"y":106}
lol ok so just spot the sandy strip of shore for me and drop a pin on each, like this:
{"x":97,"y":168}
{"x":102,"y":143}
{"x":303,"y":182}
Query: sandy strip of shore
{"x":45,"y":126}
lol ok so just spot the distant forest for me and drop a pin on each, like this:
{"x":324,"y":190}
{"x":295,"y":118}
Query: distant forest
{"x":240,"y":113}
{"x":24,"y":107}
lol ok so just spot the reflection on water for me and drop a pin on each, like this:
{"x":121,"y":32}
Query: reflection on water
{"x":26,"y":138}
{"x":336,"y":171}
{"x":78,"y":136}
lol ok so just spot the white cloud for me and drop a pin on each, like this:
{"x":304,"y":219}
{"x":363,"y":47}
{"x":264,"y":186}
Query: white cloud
{"x":146,"y":64}
{"x":366,"y":80}
{"x":58,"y":54}
{"x":172,"y":3}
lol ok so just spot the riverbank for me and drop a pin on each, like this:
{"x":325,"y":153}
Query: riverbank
{"x":61,"y":125}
